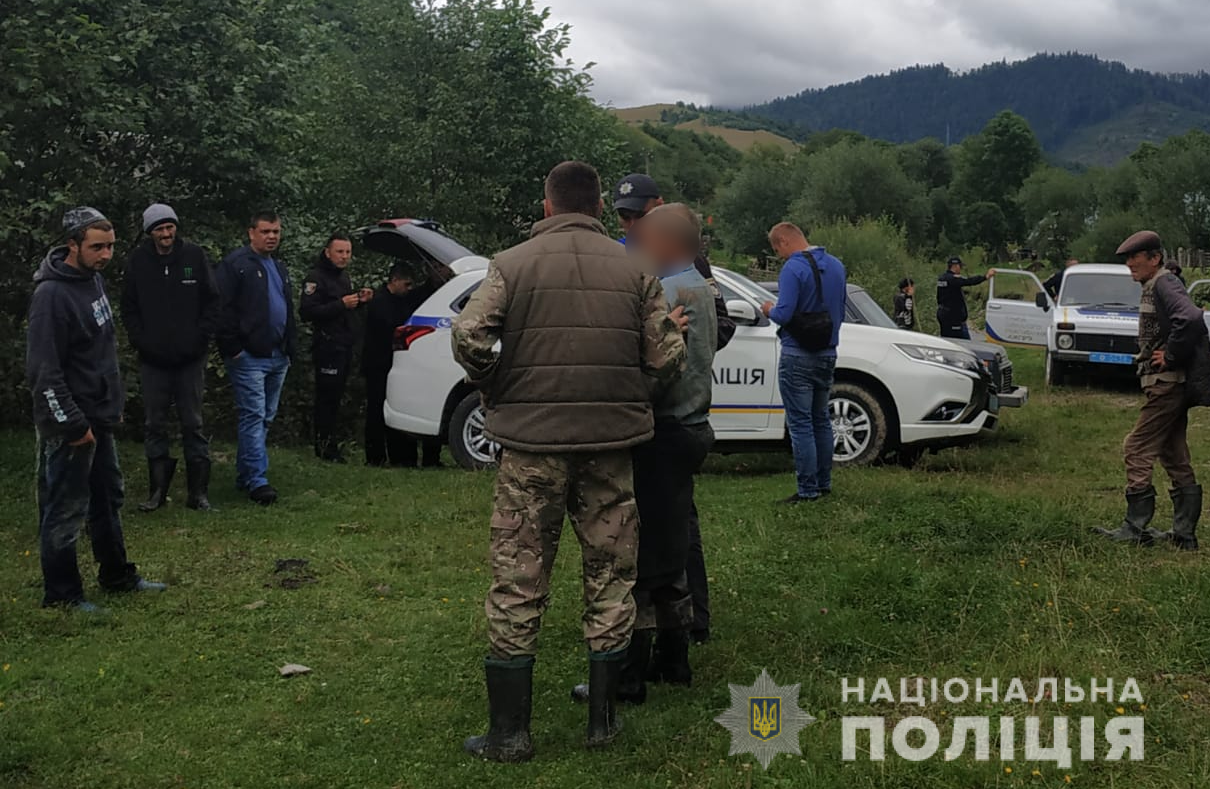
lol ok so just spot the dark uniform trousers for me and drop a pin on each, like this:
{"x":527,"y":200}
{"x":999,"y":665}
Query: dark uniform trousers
{"x":332,"y":363}
{"x":1159,"y":435}
{"x":385,"y":446}
{"x":162,"y":386}
{"x":533,"y":493}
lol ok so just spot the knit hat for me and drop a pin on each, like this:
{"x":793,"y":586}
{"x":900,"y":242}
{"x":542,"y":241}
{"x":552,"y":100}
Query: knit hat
{"x":158,"y":214}
{"x":76,"y":219}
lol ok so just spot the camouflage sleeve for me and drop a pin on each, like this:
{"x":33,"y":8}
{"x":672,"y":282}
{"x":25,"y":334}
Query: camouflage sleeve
{"x":477,"y":329}
{"x":663,"y":345}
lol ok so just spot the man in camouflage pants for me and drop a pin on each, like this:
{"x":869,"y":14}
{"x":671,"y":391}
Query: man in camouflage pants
{"x":584,"y":336}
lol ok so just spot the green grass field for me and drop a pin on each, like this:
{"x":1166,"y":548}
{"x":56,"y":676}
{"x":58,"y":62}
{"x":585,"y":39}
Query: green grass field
{"x":976,"y":564}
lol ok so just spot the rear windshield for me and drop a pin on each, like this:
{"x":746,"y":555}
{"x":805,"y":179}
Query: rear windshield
{"x":1100,"y":291}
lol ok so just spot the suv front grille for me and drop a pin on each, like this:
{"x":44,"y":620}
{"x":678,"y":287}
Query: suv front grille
{"x":1107,"y":343}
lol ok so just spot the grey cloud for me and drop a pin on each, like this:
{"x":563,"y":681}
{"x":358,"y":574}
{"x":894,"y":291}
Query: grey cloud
{"x":731,"y":54}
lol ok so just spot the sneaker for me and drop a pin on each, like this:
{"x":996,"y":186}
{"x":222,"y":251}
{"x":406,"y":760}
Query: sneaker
{"x":90,"y":609}
{"x":150,"y":586}
{"x":796,"y":499}
{"x":264,"y":495}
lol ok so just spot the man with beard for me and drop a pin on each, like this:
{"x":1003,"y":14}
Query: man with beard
{"x":71,"y":367}
{"x":171,"y":309}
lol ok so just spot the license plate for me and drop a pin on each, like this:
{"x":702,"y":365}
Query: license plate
{"x":1111,"y":358}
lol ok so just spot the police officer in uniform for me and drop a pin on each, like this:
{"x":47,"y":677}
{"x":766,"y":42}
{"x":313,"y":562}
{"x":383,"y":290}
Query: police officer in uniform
{"x":328,"y":302}
{"x":951,"y":302}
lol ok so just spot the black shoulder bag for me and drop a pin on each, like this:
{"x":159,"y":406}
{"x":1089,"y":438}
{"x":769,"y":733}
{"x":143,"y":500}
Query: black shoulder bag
{"x":812,"y":330}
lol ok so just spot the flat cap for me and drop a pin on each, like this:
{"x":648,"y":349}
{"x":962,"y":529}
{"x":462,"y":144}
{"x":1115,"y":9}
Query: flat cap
{"x":1142,"y":241}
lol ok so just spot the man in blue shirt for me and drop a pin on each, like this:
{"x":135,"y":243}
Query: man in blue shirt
{"x":256,"y":340}
{"x":805,"y":376}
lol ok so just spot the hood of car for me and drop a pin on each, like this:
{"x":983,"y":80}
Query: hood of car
{"x":983,"y":350}
{"x":1099,"y":321}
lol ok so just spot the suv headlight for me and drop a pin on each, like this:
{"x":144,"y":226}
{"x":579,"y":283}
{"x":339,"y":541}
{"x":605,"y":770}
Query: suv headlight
{"x":954,"y":359}
{"x":1065,"y":341}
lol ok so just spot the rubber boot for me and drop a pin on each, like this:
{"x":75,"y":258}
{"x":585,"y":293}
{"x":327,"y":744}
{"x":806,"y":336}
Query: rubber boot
{"x":1186,"y":512}
{"x":632,"y":682}
{"x":670,"y":658}
{"x":509,"y":697}
{"x":604,"y":671}
{"x":159,"y":472}
{"x":197,"y":475}
{"x":1140,"y":509}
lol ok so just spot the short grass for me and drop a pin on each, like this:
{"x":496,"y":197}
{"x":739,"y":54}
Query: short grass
{"x":976,"y":564}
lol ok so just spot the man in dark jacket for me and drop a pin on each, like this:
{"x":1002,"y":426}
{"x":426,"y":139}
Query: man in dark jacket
{"x":328,"y":303}
{"x":256,"y":339}
{"x":170,"y":306}
{"x":583,"y":335}
{"x":1054,"y":283}
{"x":1173,"y":367}
{"x":905,"y":305}
{"x":71,"y":367}
{"x":391,"y":308}
{"x":951,"y":303}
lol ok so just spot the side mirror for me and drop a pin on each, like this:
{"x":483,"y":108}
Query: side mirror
{"x":742,"y":312}
{"x":1042,"y":301}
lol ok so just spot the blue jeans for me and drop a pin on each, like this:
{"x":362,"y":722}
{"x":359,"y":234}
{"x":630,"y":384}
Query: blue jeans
{"x":257,"y":384}
{"x":80,"y":487}
{"x":805,"y":380}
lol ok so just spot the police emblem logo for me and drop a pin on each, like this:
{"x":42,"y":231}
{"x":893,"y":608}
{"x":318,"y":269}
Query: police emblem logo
{"x":766,"y":718}
{"x":625,"y":188}
{"x":188,"y":272}
{"x":759,"y":716}
{"x":310,"y":288}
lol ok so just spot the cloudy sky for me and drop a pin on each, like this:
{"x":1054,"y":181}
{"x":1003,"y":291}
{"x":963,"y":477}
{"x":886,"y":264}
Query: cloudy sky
{"x":737,"y":52}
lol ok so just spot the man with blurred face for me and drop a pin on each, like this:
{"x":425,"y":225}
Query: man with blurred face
{"x":328,"y":302}
{"x":170,"y":306}
{"x":256,"y":339}
{"x":71,"y":366}
{"x":1174,"y":371}
{"x":664,"y":466}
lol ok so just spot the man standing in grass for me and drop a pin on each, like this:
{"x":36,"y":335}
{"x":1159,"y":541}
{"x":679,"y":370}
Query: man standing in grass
{"x":664,"y":467}
{"x":71,"y":366}
{"x":951,"y":301}
{"x":583,"y":335}
{"x":170,"y":306}
{"x":811,"y":286}
{"x":1174,"y":370}
{"x":256,"y":341}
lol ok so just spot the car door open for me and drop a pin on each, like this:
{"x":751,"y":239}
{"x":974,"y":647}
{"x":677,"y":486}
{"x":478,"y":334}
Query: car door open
{"x":1018,"y":309}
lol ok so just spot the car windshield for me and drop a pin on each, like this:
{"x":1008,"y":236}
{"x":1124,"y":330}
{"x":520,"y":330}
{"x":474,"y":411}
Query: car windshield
{"x":1111,"y":292}
{"x":746,"y":287}
{"x":867,"y":311}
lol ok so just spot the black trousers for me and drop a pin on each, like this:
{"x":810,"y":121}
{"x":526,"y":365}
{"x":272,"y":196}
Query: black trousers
{"x":162,"y":386}
{"x":695,"y":572}
{"x":332,"y":364}
{"x":80,"y":488}
{"x":663,"y":487}
{"x":385,"y":446}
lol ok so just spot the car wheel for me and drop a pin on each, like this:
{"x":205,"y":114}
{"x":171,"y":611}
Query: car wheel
{"x":859,"y":425}
{"x":1056,"y":371}
{"x":471,"y":448}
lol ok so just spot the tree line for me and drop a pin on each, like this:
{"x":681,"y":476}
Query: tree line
{"x":338,"y":113}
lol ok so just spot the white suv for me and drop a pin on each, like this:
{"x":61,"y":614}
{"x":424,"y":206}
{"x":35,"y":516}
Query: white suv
{"x":896,"y":392}
{"x":1093,"y":325}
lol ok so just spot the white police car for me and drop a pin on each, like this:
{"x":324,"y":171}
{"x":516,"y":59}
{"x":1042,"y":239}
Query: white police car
{"x":896,"y":392}
{"x":1093,"y":325}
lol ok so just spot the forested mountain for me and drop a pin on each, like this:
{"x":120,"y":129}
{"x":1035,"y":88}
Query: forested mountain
{"x":1082,"y":108}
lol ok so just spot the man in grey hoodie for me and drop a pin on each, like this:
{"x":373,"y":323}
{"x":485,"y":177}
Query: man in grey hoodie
{"x":71,"y":367}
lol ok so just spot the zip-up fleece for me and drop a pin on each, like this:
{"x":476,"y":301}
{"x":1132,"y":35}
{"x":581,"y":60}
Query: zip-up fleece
{"x":71,"y":352}
{"x":170,"y":304}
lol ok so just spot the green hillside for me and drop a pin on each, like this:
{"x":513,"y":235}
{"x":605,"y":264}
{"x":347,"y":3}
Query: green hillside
{"x":1109,"y":142}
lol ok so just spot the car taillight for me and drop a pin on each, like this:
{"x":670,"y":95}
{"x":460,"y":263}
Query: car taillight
{"x":406,"y":335}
